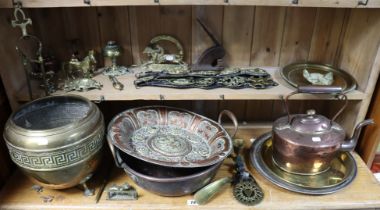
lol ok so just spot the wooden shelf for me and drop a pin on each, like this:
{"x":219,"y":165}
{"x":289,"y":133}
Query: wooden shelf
{"x":301,"y":3}
{"x":364,"y":192}
{"x":158,"y":93}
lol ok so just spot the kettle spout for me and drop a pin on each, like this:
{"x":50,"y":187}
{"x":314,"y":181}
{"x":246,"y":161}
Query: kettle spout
{"x":350,"y":144}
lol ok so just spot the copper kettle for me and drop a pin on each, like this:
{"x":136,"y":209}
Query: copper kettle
{"x":307,"y":143}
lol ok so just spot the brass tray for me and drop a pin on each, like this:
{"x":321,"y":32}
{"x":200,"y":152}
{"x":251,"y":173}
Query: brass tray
{"x":341,"y":173}
{"x":293,"y":74}
{"x":169,"y":137}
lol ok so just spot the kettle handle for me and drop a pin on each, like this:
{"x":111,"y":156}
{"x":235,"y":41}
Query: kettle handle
{"x":313,"y":89}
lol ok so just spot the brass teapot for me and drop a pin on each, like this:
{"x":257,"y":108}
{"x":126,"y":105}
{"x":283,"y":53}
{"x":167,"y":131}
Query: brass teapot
{"x":307,"y":143}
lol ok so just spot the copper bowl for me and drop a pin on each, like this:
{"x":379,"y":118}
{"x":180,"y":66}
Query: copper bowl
{"x":171,"y":137}
{"x":166,"y":181}
{"x":169,"y":151}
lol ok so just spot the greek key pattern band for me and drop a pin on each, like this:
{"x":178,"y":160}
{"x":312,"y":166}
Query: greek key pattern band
{"x":58,"y":158}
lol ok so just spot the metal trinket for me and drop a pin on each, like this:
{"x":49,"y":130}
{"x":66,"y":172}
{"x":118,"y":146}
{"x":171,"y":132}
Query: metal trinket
{"x":21,"y":21}
{"x":159,"y":60}
{"x":317,"y":78}
{"x":112,"y":51}
{"x":122,"y":192}
{"x":84,"y":84}
{"x":82,"y":69}
{"x":245,"y":188}
{"x":248,"y":193}
{"x":234,"y":78}
{"x":79,"y":74}
{"x":203,"y":195}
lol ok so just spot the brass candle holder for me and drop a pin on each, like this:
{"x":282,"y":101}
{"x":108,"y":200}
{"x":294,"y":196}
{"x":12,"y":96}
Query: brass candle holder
{"x":112,"y":51}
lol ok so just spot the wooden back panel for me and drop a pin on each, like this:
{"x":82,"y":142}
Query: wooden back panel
{"x":252,"y":36}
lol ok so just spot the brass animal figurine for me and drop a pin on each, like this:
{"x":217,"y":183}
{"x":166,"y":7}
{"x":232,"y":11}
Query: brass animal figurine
{"x":84,"y":68}
{"x":80,"y":73}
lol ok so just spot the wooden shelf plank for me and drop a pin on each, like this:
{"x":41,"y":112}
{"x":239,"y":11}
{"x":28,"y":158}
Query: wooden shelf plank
{"x":122,"y":2}
{"x":301,"y":3}
{"x":6,"y":3}
{"x":158,"y":93}
{"x":193,"y":2}
{"x":364,"y":192}
{"x":52,"y":3}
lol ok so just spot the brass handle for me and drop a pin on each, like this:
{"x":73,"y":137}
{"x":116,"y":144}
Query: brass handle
{"x":312,"y":89}
{"x":230,"y":115}
{"x":210,"y":190}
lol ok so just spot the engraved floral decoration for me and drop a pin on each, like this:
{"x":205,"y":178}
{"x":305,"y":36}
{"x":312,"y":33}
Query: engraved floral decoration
{"x":170,"y":144}
{"x":206,"y":130}
{"x":180,"y":119}
{"x":148,"y":117}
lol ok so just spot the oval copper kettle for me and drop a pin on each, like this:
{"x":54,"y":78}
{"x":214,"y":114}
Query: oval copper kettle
{"x":307,"y":143}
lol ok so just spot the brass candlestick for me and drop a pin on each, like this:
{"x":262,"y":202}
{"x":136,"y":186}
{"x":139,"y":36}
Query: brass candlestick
{"x":112,"y":51}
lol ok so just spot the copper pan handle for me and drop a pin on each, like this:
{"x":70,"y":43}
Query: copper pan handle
{"x":312,"y":89}
{"x":230,"y":115}
{"x":115,"y":153}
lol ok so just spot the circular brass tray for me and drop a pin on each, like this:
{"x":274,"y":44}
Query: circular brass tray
{"x":341,"y":173}
{"x":293,"y":74}
{"x":169,"y":136}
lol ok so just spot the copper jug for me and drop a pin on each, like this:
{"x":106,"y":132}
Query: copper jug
{"x":307,"y":143}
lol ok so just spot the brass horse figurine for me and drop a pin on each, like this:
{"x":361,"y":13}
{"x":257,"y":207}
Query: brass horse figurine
{"x":84,"y":68}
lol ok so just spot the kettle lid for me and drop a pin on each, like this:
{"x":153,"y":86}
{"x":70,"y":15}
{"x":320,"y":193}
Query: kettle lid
{"x":310,"y":122}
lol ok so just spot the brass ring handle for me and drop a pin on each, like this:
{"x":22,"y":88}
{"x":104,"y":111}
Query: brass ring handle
{"x":230,"y":115}
{"x":337,"y":91}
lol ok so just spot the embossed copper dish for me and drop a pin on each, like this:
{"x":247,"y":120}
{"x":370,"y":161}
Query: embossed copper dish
{"x":341,"y":173}
{"x":293,"y":74}
{"x":169,"y":136}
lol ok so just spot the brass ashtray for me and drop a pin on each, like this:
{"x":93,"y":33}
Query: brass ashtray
{"x":341,"y":173}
